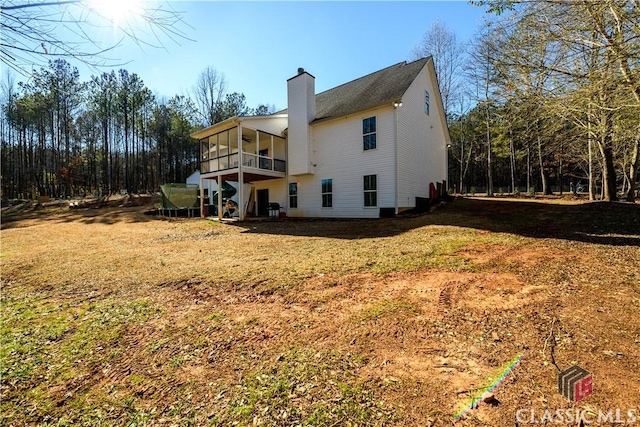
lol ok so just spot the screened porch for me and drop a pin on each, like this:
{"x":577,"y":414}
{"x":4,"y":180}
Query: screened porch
{"x":256,"y":151}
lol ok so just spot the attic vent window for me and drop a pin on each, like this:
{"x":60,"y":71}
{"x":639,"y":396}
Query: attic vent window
{"x":426,"y":102}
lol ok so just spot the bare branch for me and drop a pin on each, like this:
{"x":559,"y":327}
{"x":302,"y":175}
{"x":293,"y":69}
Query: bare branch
{"x":43,"y":30}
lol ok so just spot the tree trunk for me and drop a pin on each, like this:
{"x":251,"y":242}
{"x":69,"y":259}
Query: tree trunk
{"x":608,"y":172}
{"x":592,"y":183}
{"x":543,"y":176}
{"x":633,"y":171}
{"x":560,"y":171}
{"x":105,"y":157}
{"x":461,"y":165}
{"x":512,"y":152}
{"x":127,"y":183}
{"x":528,"y":166}
{"x":606,"y":149}
{"x":489,"y":160}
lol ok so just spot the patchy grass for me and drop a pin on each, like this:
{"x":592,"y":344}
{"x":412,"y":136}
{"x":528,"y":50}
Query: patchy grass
{"x":305,"y":387}
{"x":111,"y":317}
{"x":45,"y":348}
{"x":388,"y":308}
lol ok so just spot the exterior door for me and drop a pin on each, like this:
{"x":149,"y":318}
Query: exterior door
{"x":263,"y":202}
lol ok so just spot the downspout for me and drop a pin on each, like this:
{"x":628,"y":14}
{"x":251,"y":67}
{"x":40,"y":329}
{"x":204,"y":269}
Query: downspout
{"x":395,"y":155}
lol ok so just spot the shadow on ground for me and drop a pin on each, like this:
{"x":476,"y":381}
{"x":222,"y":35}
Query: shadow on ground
{"x":109,"y":212}
{"x":616,"y":224}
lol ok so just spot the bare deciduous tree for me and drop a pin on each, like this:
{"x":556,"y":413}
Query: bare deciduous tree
{"x":448,"y":56}
{"x":209,"y":93}
{"x":35,"y":32}
{"x":595,"y":46}
{"x":482,"y":74}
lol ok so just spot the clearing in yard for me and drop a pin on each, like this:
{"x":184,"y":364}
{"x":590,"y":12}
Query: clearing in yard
{"x":113,"y":317}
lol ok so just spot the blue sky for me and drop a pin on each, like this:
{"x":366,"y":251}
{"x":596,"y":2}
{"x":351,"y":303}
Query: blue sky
{"x":259,"y":45}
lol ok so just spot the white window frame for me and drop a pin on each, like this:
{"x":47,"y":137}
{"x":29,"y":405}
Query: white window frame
{"x":374,"y":133}
{"x":291,"y":196}
{"x":369,"y":191}
{"x":426,"y":102}
{"x":327,"y":193}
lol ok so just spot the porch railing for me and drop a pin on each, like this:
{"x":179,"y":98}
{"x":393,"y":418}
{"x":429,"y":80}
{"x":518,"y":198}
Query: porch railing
{"x":250,"y":160}
{"x":279,"y":165}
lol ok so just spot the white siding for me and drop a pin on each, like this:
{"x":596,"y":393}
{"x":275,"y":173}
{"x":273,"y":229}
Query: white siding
{"x":339,"y":155}
{"x":422,"y":146}
{"x":334,"y":150}
{"x":271,"y":124}
{"x":277,"y":191}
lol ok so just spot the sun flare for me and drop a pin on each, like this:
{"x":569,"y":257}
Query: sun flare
{"x":117,"y":11}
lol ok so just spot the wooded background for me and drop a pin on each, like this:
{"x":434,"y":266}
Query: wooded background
{"x":545,"y":97}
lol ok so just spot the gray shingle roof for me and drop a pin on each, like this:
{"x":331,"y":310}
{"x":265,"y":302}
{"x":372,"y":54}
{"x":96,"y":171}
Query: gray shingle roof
{"x":375,"y":89}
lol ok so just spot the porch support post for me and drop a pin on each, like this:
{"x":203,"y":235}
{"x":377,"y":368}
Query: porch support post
{"x":202,"y":213}
{"x":241,"y":206}
{"x":220,"y":197}
{"x":257,"y":149}
{"x":273,"y":156}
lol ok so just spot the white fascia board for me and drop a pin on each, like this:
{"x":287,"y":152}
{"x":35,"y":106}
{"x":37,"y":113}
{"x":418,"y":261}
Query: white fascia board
{"x":439,"y":104}
{"x":213,"y":129}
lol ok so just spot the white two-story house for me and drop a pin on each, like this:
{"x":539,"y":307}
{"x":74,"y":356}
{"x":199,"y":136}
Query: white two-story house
{"x":365,"y":149}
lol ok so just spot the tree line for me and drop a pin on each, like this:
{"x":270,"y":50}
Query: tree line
{"x":545,"y":98}
{"x":548,"y":98}
{"x":63,"y":137}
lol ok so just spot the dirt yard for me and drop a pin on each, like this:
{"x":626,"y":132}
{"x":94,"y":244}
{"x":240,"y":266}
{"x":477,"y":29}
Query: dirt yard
{"x":113,"y":317}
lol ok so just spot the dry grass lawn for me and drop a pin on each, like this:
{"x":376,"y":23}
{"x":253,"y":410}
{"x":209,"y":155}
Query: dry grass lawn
{"x":112,"y":317}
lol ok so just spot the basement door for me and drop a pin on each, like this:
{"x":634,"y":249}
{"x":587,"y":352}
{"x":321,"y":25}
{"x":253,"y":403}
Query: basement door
{"x":263,"y":202}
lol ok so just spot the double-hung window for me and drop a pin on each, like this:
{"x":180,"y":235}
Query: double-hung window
{"x":370,"y":190}
{"x":327,"y":193}
{"x":369,"y":133}
{"x":293,"y":195}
